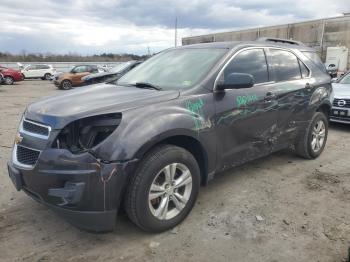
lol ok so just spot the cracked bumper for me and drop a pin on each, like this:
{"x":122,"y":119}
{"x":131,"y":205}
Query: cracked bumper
{"x":53,"y":182}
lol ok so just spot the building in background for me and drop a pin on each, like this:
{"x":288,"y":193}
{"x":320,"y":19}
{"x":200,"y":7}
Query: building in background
{"x":319,"y":34}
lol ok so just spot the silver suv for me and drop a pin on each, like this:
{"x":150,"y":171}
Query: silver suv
{"x":341,"y":103}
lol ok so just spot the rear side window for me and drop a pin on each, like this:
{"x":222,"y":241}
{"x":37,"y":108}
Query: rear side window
{"x":315,"y":59}
{"x":252,"y":62}
{"x":284,"y":65}
{"x":42,"y":67}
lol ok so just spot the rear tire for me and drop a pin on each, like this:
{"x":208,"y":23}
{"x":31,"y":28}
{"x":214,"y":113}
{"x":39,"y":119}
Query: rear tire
{"x":66,"y":85}
{"x":164,"y":189}
{"x":8,"y":80}
{"x":312,"y":141}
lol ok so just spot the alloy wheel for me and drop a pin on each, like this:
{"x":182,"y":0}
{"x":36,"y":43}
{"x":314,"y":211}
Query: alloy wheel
{"x":170,"y":191}
{"x":66,"y":85}
{"x":8,"y":80}
{"x":318,"y":136}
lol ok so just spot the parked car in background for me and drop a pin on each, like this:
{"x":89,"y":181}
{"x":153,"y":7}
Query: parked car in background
{"x":1,"y":79}
{"x":149,"y":141}
{"x":332,"y":70}
{"x":341,"y":103}
{"x":113,"y":74}
{"x":43,"y":72}
{"x":66,"y":81}
{"x":11,"y":75}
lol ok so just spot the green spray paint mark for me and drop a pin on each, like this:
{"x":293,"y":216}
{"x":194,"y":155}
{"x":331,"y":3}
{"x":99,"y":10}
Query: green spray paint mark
{"x":240,"y":109}
{"x":196,"y":112}
{"x":246,"y":100}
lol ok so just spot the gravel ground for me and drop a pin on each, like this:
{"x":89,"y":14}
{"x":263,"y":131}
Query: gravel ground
{"x":279,"y":208}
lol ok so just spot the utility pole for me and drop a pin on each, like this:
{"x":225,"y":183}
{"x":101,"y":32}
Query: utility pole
{"x":176,"y":31}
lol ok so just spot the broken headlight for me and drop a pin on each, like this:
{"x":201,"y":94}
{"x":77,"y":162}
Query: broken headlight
{"x":85,"y":133}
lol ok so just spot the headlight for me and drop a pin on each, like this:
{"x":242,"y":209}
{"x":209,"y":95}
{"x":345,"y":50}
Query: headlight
{"x":86,"y":133}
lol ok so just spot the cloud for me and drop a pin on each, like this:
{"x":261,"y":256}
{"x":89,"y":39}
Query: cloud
{"x":95,"y":26}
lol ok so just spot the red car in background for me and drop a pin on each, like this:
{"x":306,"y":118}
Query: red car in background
{"x":10,"y":75}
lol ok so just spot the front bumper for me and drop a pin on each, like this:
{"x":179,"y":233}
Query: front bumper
{"x":57,"y":83}
{"x":340,"y":115}
{"x":82,"y":189}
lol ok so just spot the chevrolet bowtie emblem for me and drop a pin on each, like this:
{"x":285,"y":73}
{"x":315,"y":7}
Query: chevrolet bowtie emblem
{"x":18,"y":139}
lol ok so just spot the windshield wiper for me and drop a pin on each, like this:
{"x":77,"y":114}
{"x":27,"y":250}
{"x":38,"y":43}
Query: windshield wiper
{"x":146,"y":85}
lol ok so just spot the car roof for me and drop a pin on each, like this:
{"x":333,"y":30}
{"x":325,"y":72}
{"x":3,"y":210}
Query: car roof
{"x":234,"y":44}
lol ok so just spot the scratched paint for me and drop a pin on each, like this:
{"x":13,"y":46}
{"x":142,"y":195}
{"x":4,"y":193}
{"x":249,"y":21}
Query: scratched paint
{"x":195,"y":107}
{"x":240,"y":109}
{"x":246,"y":100}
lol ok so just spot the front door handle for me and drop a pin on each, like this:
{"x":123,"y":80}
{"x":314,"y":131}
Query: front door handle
{"x":269,"y":97}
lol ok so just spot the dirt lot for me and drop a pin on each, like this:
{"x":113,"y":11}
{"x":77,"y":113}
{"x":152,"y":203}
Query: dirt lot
{"x":279,"y":208}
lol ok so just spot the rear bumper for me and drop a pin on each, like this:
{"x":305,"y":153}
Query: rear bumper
{"x":85,"y":191}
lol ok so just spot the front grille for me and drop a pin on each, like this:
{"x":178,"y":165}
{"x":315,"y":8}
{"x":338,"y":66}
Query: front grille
{"x":336,"y":101}
{"x":35,"y":128}
{"x":27,"y":156}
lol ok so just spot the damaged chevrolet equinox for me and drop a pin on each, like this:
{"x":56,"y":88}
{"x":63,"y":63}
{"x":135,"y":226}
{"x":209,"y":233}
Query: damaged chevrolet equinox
{"x":147,"y":142}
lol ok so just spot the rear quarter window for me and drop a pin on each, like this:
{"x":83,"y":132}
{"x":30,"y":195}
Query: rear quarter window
{"x":315,"y":59}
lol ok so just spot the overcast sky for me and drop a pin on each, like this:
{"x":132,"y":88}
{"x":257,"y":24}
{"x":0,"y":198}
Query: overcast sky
{"x":97,"y":26}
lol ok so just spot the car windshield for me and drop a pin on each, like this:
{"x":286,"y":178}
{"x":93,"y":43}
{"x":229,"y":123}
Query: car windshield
{"x":120,"y":67}
{"x":174,"y":69}
{"x":345,"y":79}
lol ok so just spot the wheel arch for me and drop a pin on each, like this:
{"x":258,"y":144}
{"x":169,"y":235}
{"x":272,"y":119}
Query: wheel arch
{"x":325,"y":108}
{"x":188,"y":142}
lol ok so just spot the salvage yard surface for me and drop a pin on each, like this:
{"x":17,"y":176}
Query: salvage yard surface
{"x":278,"y":208}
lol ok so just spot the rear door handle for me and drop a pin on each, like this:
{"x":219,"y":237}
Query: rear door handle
{"x":269,"y":97}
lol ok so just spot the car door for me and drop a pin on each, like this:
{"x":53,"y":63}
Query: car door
{"x":246,"y":119}
{"x":292,"y":89}
{"x":79,"y":72}
{"x":29,"y":71}
{"x":38,"y":72}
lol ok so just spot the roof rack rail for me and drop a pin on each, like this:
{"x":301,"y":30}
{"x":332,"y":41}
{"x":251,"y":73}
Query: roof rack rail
{"x":279,"y":40}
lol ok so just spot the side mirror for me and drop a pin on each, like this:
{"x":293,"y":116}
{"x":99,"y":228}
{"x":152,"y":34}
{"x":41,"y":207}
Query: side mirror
{"x":236,"y":81}
{"x":334,"y":80}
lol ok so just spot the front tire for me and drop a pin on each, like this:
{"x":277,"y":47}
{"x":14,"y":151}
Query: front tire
{"x":164,"y":189}
{"x":8,"y":80}
{"x":47,"y":76}
{"x":66,"y":85}
{"x":313,"y":140}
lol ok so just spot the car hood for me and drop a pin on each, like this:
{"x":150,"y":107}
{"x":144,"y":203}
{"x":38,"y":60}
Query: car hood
{"x":96,"y":75}
{"x":341,"y":90}
{"x":58,"y":111}
{"x":10,"y":70}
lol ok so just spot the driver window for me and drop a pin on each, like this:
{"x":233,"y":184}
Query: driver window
{"x":252,"y":62}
